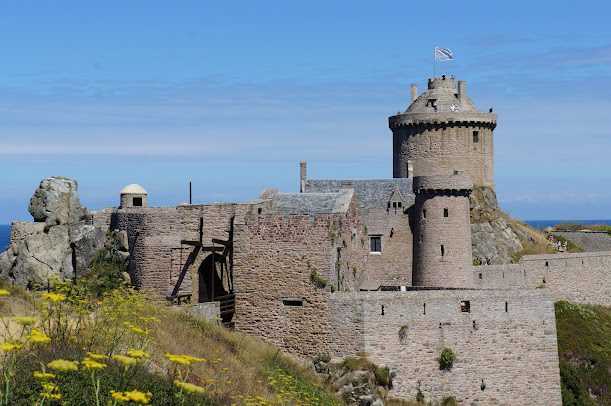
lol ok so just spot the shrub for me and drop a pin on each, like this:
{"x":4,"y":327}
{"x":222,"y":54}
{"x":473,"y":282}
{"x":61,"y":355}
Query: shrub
{"x":383,"y":375}
{"x":446,"y":359}
{"x":317,"y":280}
{"x":322,"y":358}
{"x":449,"y":401}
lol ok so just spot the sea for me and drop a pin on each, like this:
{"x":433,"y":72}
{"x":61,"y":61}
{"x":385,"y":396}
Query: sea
{"x":5,"y":229}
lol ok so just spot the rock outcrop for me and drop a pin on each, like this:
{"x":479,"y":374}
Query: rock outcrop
{"x":63,"y":247}
{"x":495,"y":236}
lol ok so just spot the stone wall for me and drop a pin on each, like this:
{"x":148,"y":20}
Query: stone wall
{"x":22,"y":229}
{"x":581,"y":278}
{"x":155,"y":234}
{"x":392,"y":266}
{"x":507,"y":339}
{"x":443,"y":149}
{"x":275,"y":256}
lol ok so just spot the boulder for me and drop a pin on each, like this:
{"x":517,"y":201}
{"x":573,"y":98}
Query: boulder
{"x":56,"y":202}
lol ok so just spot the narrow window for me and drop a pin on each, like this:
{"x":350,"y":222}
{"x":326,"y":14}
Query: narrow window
{"x":394,"y":205}
{"x":399,"y":204}
{"x":421,"y":238}
{"x":506,"y":307}
{"x":382,"y":310}
{"x":443,"y":251}
{"x":424,"y":308}
{"x":465,"y":306}
{"x":388,"y":205}
{"x":480,"y":275}
{"x":137,"y":202}
{"x":259,"y":210}
{"x":546,"y":263}
{"x":376,"y":243}
{"x":292,"y":302}
{"x":475,"y":136}
{"x":424,"y":213}
{"x":445,"y":213}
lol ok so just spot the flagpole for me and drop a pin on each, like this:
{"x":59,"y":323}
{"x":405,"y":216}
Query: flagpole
{"x":434,"y":61}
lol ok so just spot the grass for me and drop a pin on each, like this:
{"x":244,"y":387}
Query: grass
{"x":229,"y":368}
{"x":584,"y":349}
{"x":577,"y":227}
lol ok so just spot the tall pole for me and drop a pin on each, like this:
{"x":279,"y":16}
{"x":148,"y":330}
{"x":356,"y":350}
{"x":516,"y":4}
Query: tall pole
{"x":434,"y":61}
{"x":190,"y":193}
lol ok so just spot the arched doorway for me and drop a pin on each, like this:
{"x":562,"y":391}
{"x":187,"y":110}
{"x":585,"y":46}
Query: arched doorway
{"x":210,"y":284}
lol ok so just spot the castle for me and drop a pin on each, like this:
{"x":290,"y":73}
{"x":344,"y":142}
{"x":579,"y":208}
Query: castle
{"x":382,"y":267}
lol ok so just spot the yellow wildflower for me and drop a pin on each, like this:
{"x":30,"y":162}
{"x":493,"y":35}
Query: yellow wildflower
{"x":37,"y":336}
{"x":10,"y":346}
{"x":43,"y":375}
{"x":49,"y":386}
{"x":91,"y":364}
{"x":139,"y":331}
{"x":4,"y":292}
{"x":178,"y":359}
{"x":191,"y":358}
{"x":189,"y":387}
{"x":137,"y":354}
{"x":54,"y":396}
{"x":127,"y":361}
{"x":96,"y":357}
{"x":24,"y":320}
{"x":132,"y":396}
{"x":53,"y":297}
{"x":63,"y":365}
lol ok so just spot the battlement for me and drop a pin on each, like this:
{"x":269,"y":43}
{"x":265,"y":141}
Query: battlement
{"x":442,"y":82}
{"x":435,"y":184}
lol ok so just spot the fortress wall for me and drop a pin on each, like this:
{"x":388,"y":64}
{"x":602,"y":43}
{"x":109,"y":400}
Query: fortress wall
{"x":154,"y":235}
{"x":580,"y":277}
{"x":102,"y":219}
{"x":275,"y":255}
{"x":514,"y":352}
{"x":22,"y":229}
{"x":393,"y":266}
{"x":444,"y":149}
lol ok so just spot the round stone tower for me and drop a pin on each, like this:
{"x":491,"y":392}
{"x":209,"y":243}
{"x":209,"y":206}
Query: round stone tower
{"x":442,"y":237}
{"x":442,"y":132}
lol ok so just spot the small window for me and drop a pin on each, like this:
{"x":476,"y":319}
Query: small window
{"x":475,"y":136}
{"x":432,"y":103}
{"x":506,"y":307}
{"x":399,"y":204}
{"x":423,"y":308}
{"x":259,"y":210}
{"x":424,"y":213}
{"x":137,"y":202}
{"x":443,"y":250}
{"x":376,"y":243}
{"x":445,"y":213}
{"x":465,"y":306}
{"x":480,"y":275}
{"x":546,"y":263}
{"x":394,"y":205}
{"x":292,"y":302}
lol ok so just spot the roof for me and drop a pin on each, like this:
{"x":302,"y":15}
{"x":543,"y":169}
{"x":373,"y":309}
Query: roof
{"x":444,"y":91}
{"x":312,"y":203}
{"x":133,"y":189}
{"x":371,"y":193}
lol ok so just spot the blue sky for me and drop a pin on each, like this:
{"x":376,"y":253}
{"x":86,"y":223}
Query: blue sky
{"x":232,"y":95}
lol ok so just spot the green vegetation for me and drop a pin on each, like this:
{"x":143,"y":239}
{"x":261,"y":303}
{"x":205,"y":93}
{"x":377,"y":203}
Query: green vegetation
{"x":569,"y":245}
{"x":446,"y":359}
{"x":317,"y":280}
{"x":383,"y":375}
{"x":584,"y":348}
{"x":577,"y":227}
{"x":80,"y":342}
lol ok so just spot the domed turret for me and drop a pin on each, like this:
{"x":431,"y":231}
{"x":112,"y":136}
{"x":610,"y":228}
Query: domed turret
{"x":442,"y":132}
{"x":133,"y":196}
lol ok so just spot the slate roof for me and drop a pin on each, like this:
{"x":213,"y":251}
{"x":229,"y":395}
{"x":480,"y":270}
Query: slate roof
{"x":312,"y":203}
{"x":371,"y":193}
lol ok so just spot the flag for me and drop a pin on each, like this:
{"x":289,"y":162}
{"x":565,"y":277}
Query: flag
{"x":443,"y":54}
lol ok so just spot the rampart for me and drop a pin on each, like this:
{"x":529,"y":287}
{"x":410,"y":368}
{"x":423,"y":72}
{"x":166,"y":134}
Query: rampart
{"x":580,"y":277}
{"x":505,"y":344}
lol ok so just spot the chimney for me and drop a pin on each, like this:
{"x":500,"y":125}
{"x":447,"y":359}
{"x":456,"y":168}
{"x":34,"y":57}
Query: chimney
{"x":414,"y":92}
{"x":462,"y":89}
{"x":303,"y":175}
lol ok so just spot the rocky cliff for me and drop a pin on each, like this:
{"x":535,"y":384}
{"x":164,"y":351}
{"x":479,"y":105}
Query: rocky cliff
{"x":496,"y":237}
{"x":59,"y":243}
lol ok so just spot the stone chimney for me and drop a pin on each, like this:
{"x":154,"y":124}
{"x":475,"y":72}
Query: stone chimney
{"x":303,"y":175}
{"x":462,"y":89}
{"x":414,"y":92}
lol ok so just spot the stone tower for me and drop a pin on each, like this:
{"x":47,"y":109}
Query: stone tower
{"x":442,"y":236}
{"x":442,"y":132}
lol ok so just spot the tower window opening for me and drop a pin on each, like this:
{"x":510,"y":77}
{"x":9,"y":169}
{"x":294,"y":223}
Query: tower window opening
{"x":424,"y":213}
{"x":137,"y":202}
{"x":424,"y":308}
{"x":475,"y":136}
{"x":443,"y":250}
{"x":394,"y":205}
{"x":480,"y":275}
{"x":421,"y":238}
{"x":292,"y":302}
{"x":382,"y":310}
{"x":465,"y":306}
{"x":445,"y":213}
{"x":506,"y":307}
{"x":546,"y":263}
{"x":399,"y":204}
{"x":375,"y":243}
{"x":259,"y":210}
{"x":432,"y":103}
